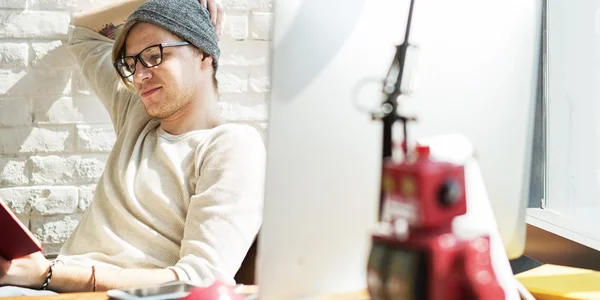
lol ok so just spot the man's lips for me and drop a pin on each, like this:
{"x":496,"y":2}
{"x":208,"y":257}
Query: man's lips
{"x":148,"y":92}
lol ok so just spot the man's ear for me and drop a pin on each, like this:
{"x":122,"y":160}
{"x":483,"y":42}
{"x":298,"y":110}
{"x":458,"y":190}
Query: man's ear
{"x":207,"y":62}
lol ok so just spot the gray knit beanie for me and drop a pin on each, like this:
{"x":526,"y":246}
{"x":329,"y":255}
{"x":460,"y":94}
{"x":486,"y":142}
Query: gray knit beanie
{"x":187,"y":19}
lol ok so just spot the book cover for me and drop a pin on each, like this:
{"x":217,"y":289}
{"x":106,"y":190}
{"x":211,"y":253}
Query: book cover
{"x":554,"y":282}
{"x":15,"y":239}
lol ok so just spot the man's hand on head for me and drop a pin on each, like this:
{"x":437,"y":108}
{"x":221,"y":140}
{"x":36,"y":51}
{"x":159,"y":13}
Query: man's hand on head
{"x":29,"y":271}
{"x":217,"y":14}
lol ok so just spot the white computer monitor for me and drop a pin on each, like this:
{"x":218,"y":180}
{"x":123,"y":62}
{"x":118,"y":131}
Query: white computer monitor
{"x":475,"y":74}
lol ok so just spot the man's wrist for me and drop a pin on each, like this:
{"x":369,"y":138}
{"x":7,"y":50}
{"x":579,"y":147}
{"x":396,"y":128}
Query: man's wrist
{"x":45,"y":277}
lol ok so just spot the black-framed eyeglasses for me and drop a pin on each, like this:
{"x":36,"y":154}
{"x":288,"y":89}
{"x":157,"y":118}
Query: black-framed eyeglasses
{"x":150,"y":57}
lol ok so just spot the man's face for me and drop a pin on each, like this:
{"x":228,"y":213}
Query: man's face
{"x":168,"y":87}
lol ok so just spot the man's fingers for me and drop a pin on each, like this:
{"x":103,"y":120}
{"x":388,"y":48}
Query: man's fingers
{"x":220,"y":20}
{"x":212,"y":10}
{"x":4,"y":266}
{"x":217,"y":14}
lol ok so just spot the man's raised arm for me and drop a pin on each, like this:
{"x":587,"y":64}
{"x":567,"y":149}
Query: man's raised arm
{"x":107,"y":19}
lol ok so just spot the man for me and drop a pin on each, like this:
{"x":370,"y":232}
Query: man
{"x":181,"y":195}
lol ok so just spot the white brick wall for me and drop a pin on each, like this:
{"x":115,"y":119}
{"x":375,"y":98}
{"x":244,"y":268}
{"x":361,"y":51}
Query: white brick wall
{"x":53,"y":140}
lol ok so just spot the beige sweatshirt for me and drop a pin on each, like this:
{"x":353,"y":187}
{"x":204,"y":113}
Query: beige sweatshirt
{"x":190,"y":202}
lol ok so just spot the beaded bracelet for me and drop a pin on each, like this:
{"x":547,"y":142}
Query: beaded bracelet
{"x":49,"y":276}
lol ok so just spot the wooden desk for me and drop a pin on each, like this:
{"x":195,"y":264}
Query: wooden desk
{"x":70,"y":296}
{"x":358,"y":295}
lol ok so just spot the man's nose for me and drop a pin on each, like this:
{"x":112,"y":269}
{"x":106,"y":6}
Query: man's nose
{"x":141,"y":73}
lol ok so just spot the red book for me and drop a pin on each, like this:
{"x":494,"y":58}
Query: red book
{"x":15,"y":240}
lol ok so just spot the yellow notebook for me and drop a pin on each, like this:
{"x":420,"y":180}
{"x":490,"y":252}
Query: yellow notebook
{"x":552,"y":282}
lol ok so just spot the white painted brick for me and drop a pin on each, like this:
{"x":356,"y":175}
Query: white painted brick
{"x":260,"y":81}
{"x":95,"y":139}
{"x":263,"y":128}
{"x":236,"y":26}
{"x":66,"y":170}
{"x":51,"y":249}
{"x":262,"y":25}
{"x":20,"y":140}
{"x":54,"y":200}
{"x":18,"y":199}
{"x":9,"y":80}
{"x":51,"y":54}
{"x":68,"y":110}
{"x":245,"y":99}
{"x":12,"y":3}
{"x":47,"y":82}
{"x":55,"y":139}
{"x":24,"y":220}
{"x":13,"y":171}
{"x":243,"y":107}
{"x":40,"y":200}
{"x":89,"y":169}
{"x":244,"y":53}
{"x":91,"y":109}
{"x":13,"y":54}
{"x":232,"y":80}
{"x":53,"y":169}
{"x":55,"y":111}
{"x":261,"y":5}
{"x":233,"y":112}
{"x":32,"y":24}
{"x":13,"y":139}
{"x":86,"y":195}
{"x":54,"y":229}
{"x":36,"y":82}
{"x":80,"y":5}
{"x":15,"y":112}
{"x":234,"y":4}
{"x":49,"y":4}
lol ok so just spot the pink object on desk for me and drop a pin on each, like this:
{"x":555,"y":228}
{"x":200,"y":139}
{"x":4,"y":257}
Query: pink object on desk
{"x":216,"y":291}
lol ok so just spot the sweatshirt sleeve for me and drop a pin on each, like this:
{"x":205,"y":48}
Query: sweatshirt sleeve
{"x":92,"y":52}
{"x":225,"y":214}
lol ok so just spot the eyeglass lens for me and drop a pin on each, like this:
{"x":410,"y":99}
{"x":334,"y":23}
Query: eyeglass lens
{"x":150,"y":57}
